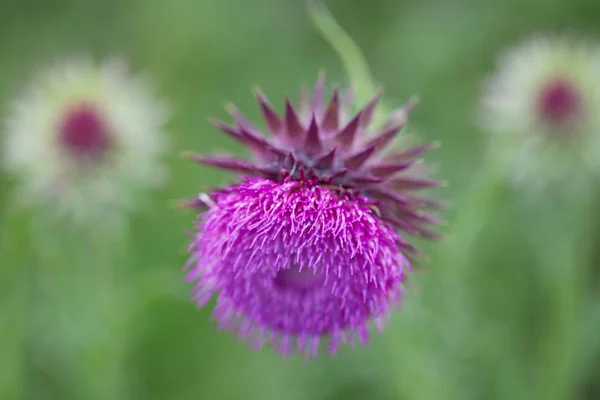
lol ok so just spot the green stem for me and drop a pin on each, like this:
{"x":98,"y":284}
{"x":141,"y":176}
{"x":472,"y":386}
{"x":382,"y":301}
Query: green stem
{"x":588,"y":352}
{"x":12,"y":326}
{"x":15,"y":276}
{"x":451,"y":283}
{"x":477,"y":205}
{"x":82,"y":290}
{"x":101,"y":357}
{"x":351,"y":55}
{"x":561,"y":253}
{"x":442,"y":304}
{"x":559,"y":347}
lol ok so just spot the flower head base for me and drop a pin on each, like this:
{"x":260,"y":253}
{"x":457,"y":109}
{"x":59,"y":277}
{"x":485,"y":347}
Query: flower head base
{"x":309,"y":243}
{"x":84,"y":139}
{"x":541,"y":107}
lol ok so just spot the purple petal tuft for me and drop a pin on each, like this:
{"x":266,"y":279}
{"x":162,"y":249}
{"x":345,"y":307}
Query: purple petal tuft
{"x":291,"y":263}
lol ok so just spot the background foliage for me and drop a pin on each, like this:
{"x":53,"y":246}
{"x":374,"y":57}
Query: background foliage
{"x":476,"y":325}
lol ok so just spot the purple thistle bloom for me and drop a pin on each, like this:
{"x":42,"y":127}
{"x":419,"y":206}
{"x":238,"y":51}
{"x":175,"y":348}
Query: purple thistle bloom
{"x":308,"y":243}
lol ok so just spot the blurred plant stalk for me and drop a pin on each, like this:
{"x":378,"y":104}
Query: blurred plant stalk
{"x":101,"y":355}
{"x":87,"y":312}
{"x":14,"y":311}
{"x":558,"y":348}
{"x":64,"y":303}
{"x":562,"y":244}
{"x":471,"y":215}
{"x":443,"y":301}
{"x":558,"y":235}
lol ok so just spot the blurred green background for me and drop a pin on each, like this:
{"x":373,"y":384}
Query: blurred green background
{"x":470,"y":329}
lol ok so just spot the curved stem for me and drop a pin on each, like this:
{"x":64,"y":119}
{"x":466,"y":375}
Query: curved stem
{"x":351,"y":55}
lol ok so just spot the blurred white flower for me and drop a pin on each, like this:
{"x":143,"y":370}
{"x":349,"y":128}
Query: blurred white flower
{"x":542,"y":107}
{"x":84,"y":139}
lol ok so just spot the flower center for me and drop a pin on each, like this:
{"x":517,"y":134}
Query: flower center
{"x":84,"y":133}
{"x":299,"y":280}
{"x":559,"y":101}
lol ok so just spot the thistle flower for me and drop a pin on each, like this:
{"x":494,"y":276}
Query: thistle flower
{"x":310,"y":242}
{"x":541,"y":106}
{"x":84,"y":138}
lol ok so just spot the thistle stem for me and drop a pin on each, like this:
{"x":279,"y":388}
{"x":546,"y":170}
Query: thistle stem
{"x":84,"y":300}
{"x":476,"y":206}
{"x":559,"y":346}
{"x":101,"y":356}
{"x":440,"y":302}
{"x":14,"y":293}
{"x":562,"y":251}
{"x":351,"y":55}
